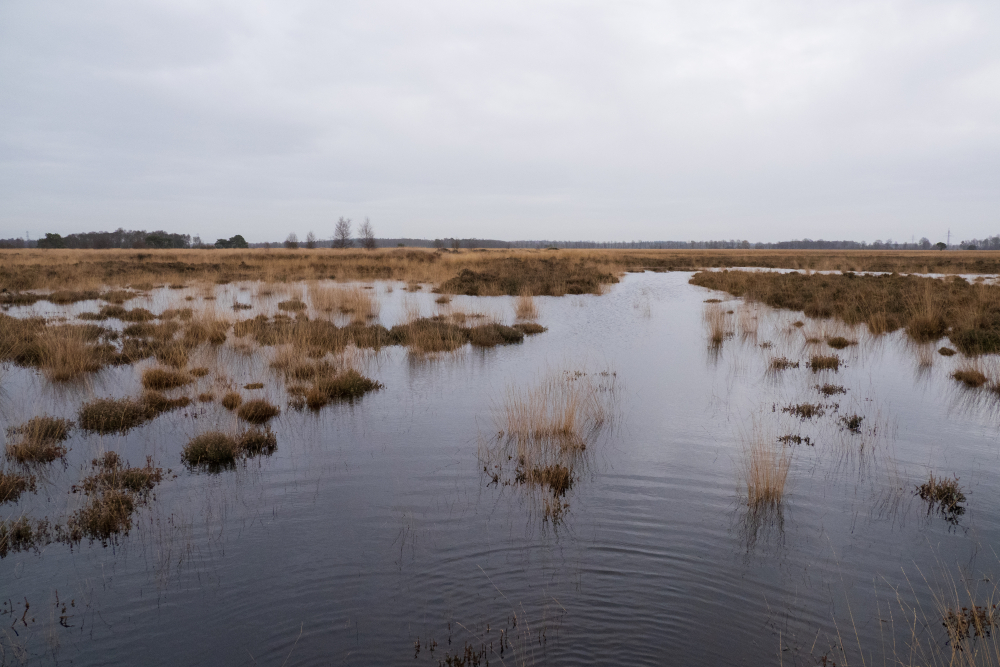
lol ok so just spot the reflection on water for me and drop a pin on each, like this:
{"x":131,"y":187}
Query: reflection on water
{"x":385,"y":527}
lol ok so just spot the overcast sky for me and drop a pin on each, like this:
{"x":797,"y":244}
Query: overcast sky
{"x":607,"y":120}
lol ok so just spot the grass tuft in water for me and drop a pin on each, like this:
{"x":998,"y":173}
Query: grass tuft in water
{"x":830,"y":389}
{"x":162,"y":378}
{"x":806,"y":410}
{"x":231,"y":400}
{"x":943,"y":495}
{"x":119,"y":415}
{"x":970,"y":377}
{"x":782,"y":363}
{"x":258,"y":411}
{"x":852,"y":423}
{"x":13,"y":484}
{"x":820,"y":362}
{"x":38,"y":440}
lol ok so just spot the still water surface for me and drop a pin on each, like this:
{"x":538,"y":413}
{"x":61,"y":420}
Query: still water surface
{"x":373,"y":528}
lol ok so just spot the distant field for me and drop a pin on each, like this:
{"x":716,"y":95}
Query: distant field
{"x":475,"y":272}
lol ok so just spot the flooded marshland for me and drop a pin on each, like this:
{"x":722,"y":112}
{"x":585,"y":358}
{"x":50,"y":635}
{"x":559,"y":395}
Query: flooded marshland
{"x":665,"y":474}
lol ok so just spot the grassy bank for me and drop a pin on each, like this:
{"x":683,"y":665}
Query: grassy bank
{"x":967,"y":313}
{"x":482,"y":272}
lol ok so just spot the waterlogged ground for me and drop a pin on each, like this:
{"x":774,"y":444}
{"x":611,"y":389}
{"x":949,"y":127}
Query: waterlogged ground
{"x":373,"y":536}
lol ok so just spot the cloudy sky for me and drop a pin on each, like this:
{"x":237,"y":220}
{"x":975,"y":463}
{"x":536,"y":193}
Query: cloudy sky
{"x":609,"y":120}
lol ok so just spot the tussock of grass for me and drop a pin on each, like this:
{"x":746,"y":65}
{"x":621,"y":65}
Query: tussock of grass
{"x":258,"y":411}
{"x":806,"y":410}
{"x":782,"y":363}
{"x":344,"y":386}
{"x":13,"y":484}
{"x":529,"y":328}
{"x":946,"y":352}
{"x":218,"y":450}
{"x":254,"y":385}
{"x":943,"y":495}
{"x":103,"y":517}
{"x":792,"y":439}
{"x":525,"y":307}
{"x":557,"y":478}
{"x":206,"y":397}
{"x":839,"y":342}
{"x":764,"y":471}
{"x":22,"y":534}
{"x":161,"y":378}
{"x":852,"y":423}
{"x":820,"y":362}
{"x":493,"y":334}
{"x":112,"y":473}
{"x":830,"y":389}
{"x":231,"y":400}
{"x":199,"y":372}
{"x":970,"y":377}
{"x":119,"y":415}
{"x":719,"y":324}
{"x":37,"y":440}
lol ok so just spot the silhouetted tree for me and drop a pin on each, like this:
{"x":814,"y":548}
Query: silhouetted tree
{"x":342,"y":234}
{"x":52,"y":241}
{"x":940,"y":245}
{"x":456,"y":244}
{"x":292,"y":242}
{"x":311,"y":241}
{"x":367,"y":235}
{"x":233,"y":242}
{"x":925,"y":243}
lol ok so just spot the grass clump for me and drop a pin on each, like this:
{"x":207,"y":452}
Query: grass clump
{"x":216,"y":450}
{"x":946,"y":352}
{"x":231,"y":400}
{"x":347,"y":385}
{"x":557,"y":478}
{"x":119,"y":415}
{"x":254,"y":385}
{"x":970,"y":377}
{"x":943,"y":495}
{"x":199,"y":372}
{"x":114,"y":490}
{"x":805,"y":410}
{"x":258,"y":411}
{"x":529,"y":328}
{"x":22,"y":534}
{"x":12,"y":485}
{"x":782,"y":363}
{"x":851,"y":423}
{"x":525,"y":307}
{"x":161,"y":378}
{"x":830,"y":389}
{"x":38,"y":440}
{"x":764,"y":471}
{"x":795,"y":440}
{"x":820,"y":362}
{"x":839,"y":342}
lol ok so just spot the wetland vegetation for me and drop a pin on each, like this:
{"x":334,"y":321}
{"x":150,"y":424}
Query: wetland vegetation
{"x":551,"y":387}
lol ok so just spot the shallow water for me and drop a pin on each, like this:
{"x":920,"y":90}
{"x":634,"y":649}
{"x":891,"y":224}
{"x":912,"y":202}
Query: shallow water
{"x":373,"y":526}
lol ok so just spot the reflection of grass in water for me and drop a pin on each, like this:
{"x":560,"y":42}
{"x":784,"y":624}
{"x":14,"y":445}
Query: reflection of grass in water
{"x":525,"y":307}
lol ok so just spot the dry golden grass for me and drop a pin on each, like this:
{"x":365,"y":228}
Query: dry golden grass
{"x":719,"y":322}
{"x":525,"y":307}
{"x":361,"y":304}
{"x":970,"y":375}
{"x":38,"y":440}
{"x":764,"y":469}
{"x":498,"y":271}
{"x":928,"y":309}
{"x":13,"y":484}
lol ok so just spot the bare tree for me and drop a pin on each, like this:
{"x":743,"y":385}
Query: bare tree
{"x":292,"y":242}
{"x":367,"y":235}
{"x":311,"y":241}
{"x":342,"y":234}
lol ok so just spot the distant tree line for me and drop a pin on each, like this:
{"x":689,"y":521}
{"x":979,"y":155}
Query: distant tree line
{"x":345,"y":237}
